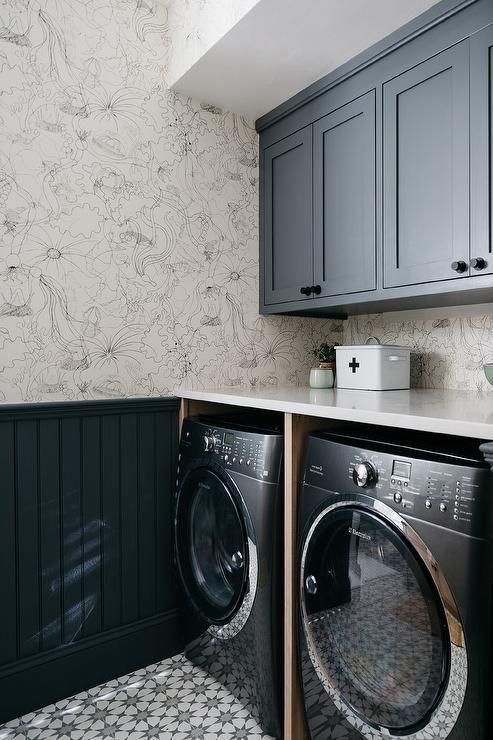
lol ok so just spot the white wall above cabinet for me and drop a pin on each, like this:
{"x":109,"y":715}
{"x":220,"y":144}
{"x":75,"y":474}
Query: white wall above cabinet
{"x":196,"y":26}
{"x":249,"y":56}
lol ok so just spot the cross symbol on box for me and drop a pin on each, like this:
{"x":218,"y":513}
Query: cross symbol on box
{"x":353,"y":365}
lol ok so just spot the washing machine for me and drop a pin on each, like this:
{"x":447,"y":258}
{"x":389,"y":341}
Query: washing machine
{"x":227,"y":543}
{"x":395,"y":586}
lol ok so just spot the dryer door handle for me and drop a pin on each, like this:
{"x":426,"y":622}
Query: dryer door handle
{"x":311,"y":585}
{"x":237,"y":560}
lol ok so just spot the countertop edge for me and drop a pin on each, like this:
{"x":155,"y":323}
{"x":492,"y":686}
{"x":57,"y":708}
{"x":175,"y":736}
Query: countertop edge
{"x":438,"y":425}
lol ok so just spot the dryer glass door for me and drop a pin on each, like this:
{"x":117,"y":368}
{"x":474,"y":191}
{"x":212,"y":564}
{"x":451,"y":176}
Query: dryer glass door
{"x":374,"y":623}
{"x":212,"y":545}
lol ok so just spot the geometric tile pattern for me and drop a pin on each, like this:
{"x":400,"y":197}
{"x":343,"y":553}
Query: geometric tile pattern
{"x":375,"y":649}
{"x":328,"y":716}
{"x":244,"y":665}
{"x":387,"y":664}
{"x":170,"y":700}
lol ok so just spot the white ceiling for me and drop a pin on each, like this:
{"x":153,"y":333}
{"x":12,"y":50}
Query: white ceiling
{"x":281,"y":46}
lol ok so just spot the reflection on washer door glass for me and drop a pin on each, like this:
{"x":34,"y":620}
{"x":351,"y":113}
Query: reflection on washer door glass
{"x":217,"y":545}
{"x":375,"y":623}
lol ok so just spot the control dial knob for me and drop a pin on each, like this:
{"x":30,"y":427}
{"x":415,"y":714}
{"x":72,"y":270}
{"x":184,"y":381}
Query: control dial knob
{"x":364,"y":474}
{"x":209,"y":442}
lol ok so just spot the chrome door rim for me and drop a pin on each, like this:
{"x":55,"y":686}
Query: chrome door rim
{"x":240,"y":618}
{"x":445,"y":714}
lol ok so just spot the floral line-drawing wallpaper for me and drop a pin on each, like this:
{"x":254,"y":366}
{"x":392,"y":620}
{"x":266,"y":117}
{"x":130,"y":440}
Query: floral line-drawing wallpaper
{"x":128,"y":217}
{"x":128,"y":226}
{"x":446,"y":352}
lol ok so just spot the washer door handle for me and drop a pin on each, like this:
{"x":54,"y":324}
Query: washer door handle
{"x":237,"y":560}
{"x":311,"y":585}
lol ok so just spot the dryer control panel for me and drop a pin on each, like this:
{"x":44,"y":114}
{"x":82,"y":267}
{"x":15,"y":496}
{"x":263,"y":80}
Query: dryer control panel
{"x":449,"y":493}
{"x":251,"y":453}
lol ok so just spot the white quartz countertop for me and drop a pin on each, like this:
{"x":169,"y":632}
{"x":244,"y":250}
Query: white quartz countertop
{"x":464,"y":413}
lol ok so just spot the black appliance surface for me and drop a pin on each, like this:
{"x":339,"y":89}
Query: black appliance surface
{"x":227,"y":540}
{"x":395,"y":586}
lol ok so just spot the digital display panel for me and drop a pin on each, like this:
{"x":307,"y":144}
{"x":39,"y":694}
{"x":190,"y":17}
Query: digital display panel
{"x":229,"y":438}
{"x":401,"y":469}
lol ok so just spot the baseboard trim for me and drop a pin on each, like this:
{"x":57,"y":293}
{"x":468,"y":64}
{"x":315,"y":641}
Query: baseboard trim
{"x":33,"y":683}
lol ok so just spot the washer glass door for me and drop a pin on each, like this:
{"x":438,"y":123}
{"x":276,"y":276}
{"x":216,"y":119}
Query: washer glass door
{"x":211,"y":545}
{"x":374,"y":623}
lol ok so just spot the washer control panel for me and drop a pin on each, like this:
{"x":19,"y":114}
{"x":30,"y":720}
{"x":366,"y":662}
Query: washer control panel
{"x":457,"y":496}
{"x":448,"y":491}
{"x":252,"y":453}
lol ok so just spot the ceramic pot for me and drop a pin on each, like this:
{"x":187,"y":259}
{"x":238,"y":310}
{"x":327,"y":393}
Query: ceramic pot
{"x":323,"y":376}
{"x":488,"y":371}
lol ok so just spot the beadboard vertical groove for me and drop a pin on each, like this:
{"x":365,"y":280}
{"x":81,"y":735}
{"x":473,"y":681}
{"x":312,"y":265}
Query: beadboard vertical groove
{"x":86,"y":506}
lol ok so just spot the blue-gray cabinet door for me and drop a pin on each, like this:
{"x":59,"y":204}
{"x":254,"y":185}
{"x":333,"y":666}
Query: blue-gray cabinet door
{"x":426,"y":170}
{"x":482,"y":152}
{"x":344,"y":238}
{"x":287,"y":218}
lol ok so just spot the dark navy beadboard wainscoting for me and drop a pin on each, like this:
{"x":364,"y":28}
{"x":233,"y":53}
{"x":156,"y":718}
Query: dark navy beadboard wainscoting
{"x":87,"y":583}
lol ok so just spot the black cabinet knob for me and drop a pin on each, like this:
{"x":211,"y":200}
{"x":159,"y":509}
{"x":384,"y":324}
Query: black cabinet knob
{"x":478,"y":263}
{"x":316,"y":289}
{"x":306,"y":291}
{"x":459,"y":266}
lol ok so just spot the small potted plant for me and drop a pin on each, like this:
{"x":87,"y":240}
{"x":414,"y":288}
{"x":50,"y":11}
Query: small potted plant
{"x":323,"y":376}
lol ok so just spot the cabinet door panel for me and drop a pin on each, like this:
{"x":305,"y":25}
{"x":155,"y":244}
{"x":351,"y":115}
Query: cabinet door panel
{"x":482,"y":148}
{"x":344,"y":198}
{"x":288,"y":247}
{"x":426,"y":170}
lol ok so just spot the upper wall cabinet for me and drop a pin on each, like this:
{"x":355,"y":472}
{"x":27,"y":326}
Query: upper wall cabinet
{"x":482,"y":152}
{"x":319,"y":207}
{"x":287,"y":219}
{"x":344,"y":237}
{"x":378,"y":179}
{"x":426,"y":171}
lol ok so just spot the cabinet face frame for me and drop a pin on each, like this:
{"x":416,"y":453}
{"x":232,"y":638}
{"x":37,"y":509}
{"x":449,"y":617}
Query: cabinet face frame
{"x":456,"y":62}
{"x":362,"y":257}
{"x":299,"y":141}
{"x":481,"y":45}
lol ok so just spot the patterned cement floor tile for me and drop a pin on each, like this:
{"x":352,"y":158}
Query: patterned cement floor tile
{"x":171,"y":700}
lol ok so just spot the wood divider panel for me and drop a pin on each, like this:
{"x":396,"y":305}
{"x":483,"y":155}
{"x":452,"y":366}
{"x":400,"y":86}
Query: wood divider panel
{"x":190,"y":407}
{"x":296,"y":430}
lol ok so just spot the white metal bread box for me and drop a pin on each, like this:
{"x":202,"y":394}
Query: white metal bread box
{"x":373,"y":367}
